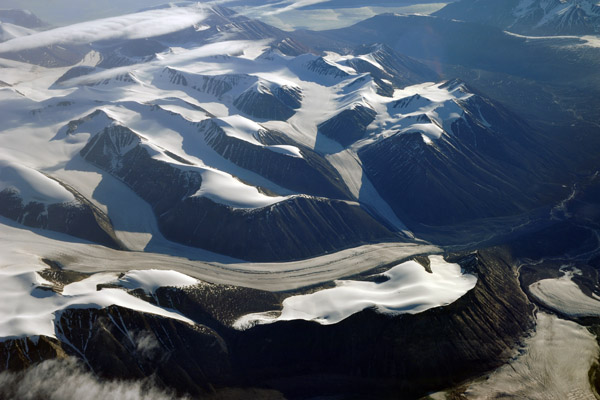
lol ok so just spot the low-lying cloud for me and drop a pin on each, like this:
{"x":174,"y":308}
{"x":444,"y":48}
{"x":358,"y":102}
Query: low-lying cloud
{"x":67,"y":380}
{"x":133,"y":26}
{"x":287,"y":6}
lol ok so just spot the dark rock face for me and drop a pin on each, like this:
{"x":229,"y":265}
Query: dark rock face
{"x":489,"y":165}
{"x":136,"y":346}
{"x":290,"y":96}
{"x":264,"y":100}
{"x":260,"y":102}
{"x":291,"y":47}
{"x":310,"y":174}
{"x":80,"y":219}
{"x":398,"y":69}
{"x":118,"y":343}
{"x":322,"y":67}
{"x":76,"y":72}
{"x":301,"y":227}
{"x":219,"y":85}
{"x":19,"y":354}
{"x":216,"y":85}
{"x":118,"y":150}
{"x":129,"y":52}
{"x":297,"y":228}
{"x":349,"y":125}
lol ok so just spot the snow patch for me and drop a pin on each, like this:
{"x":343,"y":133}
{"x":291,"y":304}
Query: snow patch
{"x":150,"y":280}
{"x":29,"y":306}
{"x":410,"y":289}
{"x":247,"y":130}
{"x":225,"y":189}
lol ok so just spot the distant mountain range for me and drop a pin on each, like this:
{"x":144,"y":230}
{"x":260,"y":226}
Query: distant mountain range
{"x":530,"y":17}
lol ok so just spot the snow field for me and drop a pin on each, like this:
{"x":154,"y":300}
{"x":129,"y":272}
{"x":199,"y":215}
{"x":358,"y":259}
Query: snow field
{"x":410,"y":289}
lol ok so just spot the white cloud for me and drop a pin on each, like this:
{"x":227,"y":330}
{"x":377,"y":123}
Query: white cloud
{"x":67,"y":380}
{"x":291,"y":17}
{"x":133,"y":26}
{"x":293,"y":5}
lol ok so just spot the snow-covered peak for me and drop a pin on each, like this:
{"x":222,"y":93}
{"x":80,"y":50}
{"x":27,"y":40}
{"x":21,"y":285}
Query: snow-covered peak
{"x":562,"y":16}
{"x":224,"y":189}
{"x":241,"y":128}
{"x":30,"y":305}
{"x":531,"y":17}
{"x":151,"y":280}
{"x":10,"y":31}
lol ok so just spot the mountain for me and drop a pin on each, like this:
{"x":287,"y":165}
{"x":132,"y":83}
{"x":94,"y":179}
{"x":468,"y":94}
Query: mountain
{"x":309,"y":148}
{"x":22,"y":18}
{"x":539,"y":79}
{"x":219,"y":24}
{"x":558,"y":17}
{"x":442,"y":161}
{"x":9,"y":31}
{"x":18,"y":23}
{"x":194,"y":203}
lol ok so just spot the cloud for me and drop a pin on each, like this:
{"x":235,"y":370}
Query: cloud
{"x":67,"y":380}
{"x":146,"y":345}
{"x":332,"y":18}
{"x":293,"y":5}
{"x":133,"y":26}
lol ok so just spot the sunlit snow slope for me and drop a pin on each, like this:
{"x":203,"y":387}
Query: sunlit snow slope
{"x":225,"y":134}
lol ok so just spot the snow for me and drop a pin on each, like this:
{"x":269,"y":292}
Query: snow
{"x":409,"y":289}
{"x":150,"y":280}
{"x":241,"y":128}
{"x":433,"y":92}
{"x":32,"y":185}
{"x":287,"y":150}
{"x":405,"y":111}
{"x":247,"y":130}
{"x":554,"y":365}
{"x":170,"y":127}
{"x":9,"y":31}
{"x":577,"y":41}
{"x":31,"y":124}
{"x":431,"y":131}
{"x":28,"y":307}
{"x":348,"y":165}
{"x":224,"y":189}
{"x":554,"y":12}
{"x":564,"y":296}
{"x":92,"y":125}
{"x":31,"y":245}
